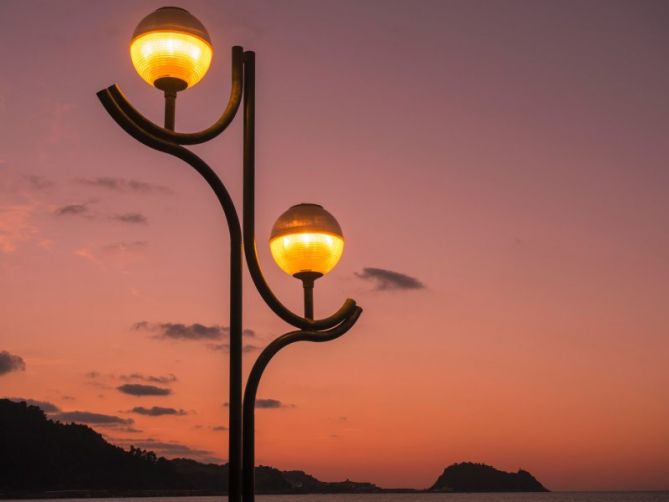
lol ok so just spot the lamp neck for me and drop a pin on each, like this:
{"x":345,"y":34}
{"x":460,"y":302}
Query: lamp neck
{"x":308,"y":279}
{"x":170,"y":109}
{"x":170,"y":86}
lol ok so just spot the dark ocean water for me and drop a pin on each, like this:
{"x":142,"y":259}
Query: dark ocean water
{"x":422,"y":497}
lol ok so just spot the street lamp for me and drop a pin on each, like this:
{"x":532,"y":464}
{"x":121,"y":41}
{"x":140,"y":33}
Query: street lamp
{"x":306,"y":242}
{"x":172,"y":51}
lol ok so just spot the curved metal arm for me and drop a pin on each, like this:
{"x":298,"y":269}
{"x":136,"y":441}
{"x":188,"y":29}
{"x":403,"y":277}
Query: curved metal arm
{"x":248,"y":428}
{"x":234,"y":227}
{"x":329,"y":328}
{"x":181,"y":138}
{"x":250,"y":251}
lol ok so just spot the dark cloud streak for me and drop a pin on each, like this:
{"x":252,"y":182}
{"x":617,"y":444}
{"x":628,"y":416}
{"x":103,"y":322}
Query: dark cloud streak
{"x":157,"y":411}
{"x":195,"y":331}
{"x":131,"y":218}
{"x":163,"y":379}
{"x":268,"y":404}
{"x":10,"y":362}
{"x":72,"y":209}
{"x":137,"y":389}
{"x":87,"y":417}
{"x":45,"y":406}
{"x":388,"y":280}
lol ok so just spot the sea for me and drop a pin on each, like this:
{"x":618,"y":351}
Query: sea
{"x":416,"y":497}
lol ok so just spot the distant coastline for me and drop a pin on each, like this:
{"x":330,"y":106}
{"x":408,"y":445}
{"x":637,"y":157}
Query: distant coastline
{"x":42,"y":458}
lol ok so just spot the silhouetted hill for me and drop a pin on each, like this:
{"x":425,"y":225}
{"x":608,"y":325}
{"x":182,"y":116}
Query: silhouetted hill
{"x":470,"y":477}
{"x":41,"y":457}
{"x":37,"y":454}
{"x":45,"y":458}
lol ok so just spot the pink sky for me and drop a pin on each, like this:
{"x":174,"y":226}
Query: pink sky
{"x":510,"y":156}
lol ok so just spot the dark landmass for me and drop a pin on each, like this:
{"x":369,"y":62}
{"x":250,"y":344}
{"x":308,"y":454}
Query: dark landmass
{"x":42,"y":458}
{"x":470,"y":477}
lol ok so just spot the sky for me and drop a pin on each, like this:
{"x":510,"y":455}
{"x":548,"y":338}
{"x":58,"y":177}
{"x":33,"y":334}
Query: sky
{"x":499,"y":170}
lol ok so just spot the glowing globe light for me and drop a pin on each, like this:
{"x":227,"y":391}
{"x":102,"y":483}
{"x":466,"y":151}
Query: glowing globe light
{"x":171,"y":49}
{"x":306,"y":239}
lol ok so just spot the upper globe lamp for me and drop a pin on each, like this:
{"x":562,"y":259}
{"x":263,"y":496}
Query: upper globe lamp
{"x":171,"y":43}
{"x":306,"y":240}
{"x":172,"y":51}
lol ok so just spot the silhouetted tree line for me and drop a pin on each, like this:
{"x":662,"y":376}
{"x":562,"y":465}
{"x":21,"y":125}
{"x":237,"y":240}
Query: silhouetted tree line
{"x":38,"y":455}
{"x":42,"y":457}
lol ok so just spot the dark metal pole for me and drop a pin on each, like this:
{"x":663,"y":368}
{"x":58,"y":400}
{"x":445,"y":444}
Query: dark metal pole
{"x":236,"y":256}
{"x":308,"y":299}
{"x":170,"y":109}
{"x":308,"y":279}
{"x":248,"y":484}
{"x":241,"y":419}
{"x":235,"y":410}
{"x":254,"y":381}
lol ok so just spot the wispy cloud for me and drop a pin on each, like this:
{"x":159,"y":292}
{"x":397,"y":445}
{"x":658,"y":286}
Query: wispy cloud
{"x":162,"y":379}
{"x":46,"y":406}
{"x":388,"y":280}
{"x":38,"y":182}
{"x":268,"y":404}
{"x":138,"y":389}
{"x":87,"y":417}
{"x":225,"y":347}
{"x":11,"y":362}
{"x":72,"y":209}
{"x":123,"y":185}
{"x":219,"y":428}
{"x":157,"y":411}
{"x":131,"y":218}
{"x":124,"y":246}
{"x":195,"y":331}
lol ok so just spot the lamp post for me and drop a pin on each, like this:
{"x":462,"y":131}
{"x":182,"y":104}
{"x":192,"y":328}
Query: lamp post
{"x":171,"y":50}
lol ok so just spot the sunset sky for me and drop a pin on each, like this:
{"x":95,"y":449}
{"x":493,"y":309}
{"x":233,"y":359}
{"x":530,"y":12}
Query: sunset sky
{"x":500,"y":172}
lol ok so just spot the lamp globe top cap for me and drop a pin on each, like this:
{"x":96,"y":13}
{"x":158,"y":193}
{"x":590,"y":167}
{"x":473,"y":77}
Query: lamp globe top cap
{"x":172,"y":19}
{"x":306,"y":218}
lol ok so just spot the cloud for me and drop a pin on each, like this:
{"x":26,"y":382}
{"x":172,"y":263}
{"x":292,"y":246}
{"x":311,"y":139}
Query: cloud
{"x":10,"y":362}
{"x":123,"y":185}
{"x":129,"y":429}
{"x":219,"y":428}
{"x":138,"y":389}
{"x":132,"y":218}
{"x":164,"y":379}
{"x":195,"y":331}
{"x":39,"y":182}
{"x":225,"y":347}
{"x":72,"y":209}
{"x":157,"y":411}
{"x":268,"y":404}
{"x":46,"y":406}
{"x":387,"y":279}
{"x":124,"y":246}
{"x":87,"y":417}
